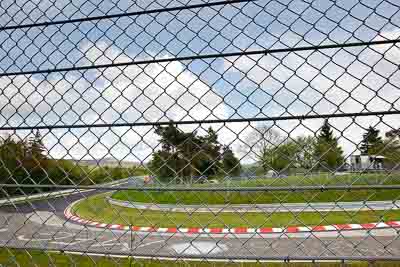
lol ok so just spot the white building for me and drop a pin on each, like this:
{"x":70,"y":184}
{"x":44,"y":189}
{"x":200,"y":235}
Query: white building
{"x":367,"y":162}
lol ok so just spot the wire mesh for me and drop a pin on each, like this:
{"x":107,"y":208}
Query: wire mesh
{"x":199,"y":132}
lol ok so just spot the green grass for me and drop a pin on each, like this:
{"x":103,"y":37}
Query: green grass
{"x":15,"y":257}
{"x":97,"y":208}
{"x":191,"y":197}
{"x":43,"y":259}
{"x":390,"y":178}
{"x":323,"y":179}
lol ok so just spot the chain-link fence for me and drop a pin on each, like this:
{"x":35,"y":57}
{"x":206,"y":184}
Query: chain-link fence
{"x":177,"y":132}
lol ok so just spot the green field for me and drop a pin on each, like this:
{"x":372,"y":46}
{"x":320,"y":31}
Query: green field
{"x":97,"y":208}
{"x":315,"y":179}
{"x":193,"y":197}
{"x":323,"y":179}
{"x":17,"y":258}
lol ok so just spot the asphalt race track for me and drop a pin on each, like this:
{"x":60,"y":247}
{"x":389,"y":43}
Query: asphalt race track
{"x":41,"y":224}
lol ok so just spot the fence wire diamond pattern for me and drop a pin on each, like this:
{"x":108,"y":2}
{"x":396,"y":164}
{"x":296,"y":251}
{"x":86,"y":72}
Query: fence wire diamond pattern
{"x":199,"y":132}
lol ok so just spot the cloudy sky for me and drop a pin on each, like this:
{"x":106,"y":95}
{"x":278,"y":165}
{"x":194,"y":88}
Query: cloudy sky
{"x":361,"y":79}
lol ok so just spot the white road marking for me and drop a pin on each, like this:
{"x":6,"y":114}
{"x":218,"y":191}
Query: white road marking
{"x":74,"y":242}
{"x":199,"y":248}
{"x":55,"y":240}
{"x":108,"y":243}
{"x":45,"y":217}
{"x":52,"y":237}
{"x":150,"y":243}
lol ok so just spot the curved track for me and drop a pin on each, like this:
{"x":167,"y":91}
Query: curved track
{"x":41,"y":224}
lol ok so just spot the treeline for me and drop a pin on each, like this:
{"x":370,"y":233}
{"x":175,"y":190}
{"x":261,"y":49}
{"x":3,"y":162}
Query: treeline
{"x":27,"y":162}
{"x":307,"y":152}
{"x":322,"y":151}
{"x":186,"y":155}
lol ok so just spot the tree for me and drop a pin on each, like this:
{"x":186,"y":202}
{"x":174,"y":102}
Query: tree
{"x":391,"y":151}
{"x":230,"y":163}
{"x":271,"y":151}
{"x":390,"y":148}
{"x":11,"y":156}
{"x":281,"y":157}
{"x":326,"y":133}
{"x":209,"y":154}
{"x":304,"y":155}
{"x":16,"y":166}
{"x":184,"y":155}
{"x":177,"y":148}
{"x":394,"y":133}
{"x":36,"y":147}
{"x":327,"y":150}
{"x":371,"y":143}
{"x":259,"y":143}
{"x":164,"y":165}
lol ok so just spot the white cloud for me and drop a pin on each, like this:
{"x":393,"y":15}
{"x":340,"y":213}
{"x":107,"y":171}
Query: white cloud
{"x":324,"y":82}
{"x":288,"y":84}
{"x":153,"y":92}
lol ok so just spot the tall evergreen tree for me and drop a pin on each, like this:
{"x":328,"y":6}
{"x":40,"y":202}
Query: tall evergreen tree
{"x":230,"y":163}
{"x":326,"y":133}
{"x":327,"y":150}
{"x":163,"y":165}
{"x":170,"y":137}
{"x":371,"y":143}
{"x":209,"y":153}
{"x":36,"y":147}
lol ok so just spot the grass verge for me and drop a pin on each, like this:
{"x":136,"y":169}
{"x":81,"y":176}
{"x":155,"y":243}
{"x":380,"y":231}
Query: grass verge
{"x":214,"y":198}
{"x":192,"y":198}
{"x":21,"y":257}
{"x":97,"y":208}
